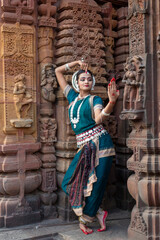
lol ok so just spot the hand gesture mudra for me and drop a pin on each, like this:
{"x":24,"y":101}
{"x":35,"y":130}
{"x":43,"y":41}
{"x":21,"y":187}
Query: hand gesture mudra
{"x":113,"y":93}
{"x":83,"y":65}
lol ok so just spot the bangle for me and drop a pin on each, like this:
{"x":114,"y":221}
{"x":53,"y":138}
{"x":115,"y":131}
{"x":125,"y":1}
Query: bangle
{"x":67,"y":67}
{"x":112,"y":102}
{"x":104,"y":113}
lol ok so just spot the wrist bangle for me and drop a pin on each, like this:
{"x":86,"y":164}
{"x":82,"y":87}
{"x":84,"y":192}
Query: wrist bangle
{"x":67,"y":67}
{"x":104,"y":113}
{"x":112,"y":102}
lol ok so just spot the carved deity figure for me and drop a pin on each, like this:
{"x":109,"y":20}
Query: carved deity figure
{"x":48,"y":83}
{"x":133,"y":79}
{"x":48,"y":130}
{"x":22,"y":98}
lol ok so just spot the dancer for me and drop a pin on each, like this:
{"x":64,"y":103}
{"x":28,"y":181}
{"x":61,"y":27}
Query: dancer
{"x":86,"y":178}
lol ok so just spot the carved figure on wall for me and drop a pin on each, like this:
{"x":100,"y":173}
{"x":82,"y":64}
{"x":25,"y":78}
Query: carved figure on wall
{"x":48,"y":130}
{"x":48,"y":83}
{"x":109,"y":42}
{"x":22,"y":98}
{"x":134,"y":81}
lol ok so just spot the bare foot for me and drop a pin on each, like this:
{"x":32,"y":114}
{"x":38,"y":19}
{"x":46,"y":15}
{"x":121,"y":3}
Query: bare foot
{"x":102,"y":218}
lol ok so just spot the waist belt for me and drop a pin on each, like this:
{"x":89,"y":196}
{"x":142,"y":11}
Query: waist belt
{"x":90,"y":134}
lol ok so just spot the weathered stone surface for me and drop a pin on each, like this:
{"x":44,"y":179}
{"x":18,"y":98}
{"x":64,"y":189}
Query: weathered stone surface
{"x":18,"y":11}
{"x":143,"y":185}
{"x":48,"y":180}
{"x":10,"y":185}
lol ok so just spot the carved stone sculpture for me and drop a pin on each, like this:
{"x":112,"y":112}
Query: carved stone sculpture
{"x":134,"y":85}
{"x":22,"y":102}
{"x":48,"y":83}
{"x":22,"y":98}
{"x":48,"y":130}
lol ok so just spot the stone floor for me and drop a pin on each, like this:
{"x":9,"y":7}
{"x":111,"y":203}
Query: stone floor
{"x":117,"y":224}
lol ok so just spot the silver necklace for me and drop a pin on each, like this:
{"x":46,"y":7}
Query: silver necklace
{"x":75,"y":120}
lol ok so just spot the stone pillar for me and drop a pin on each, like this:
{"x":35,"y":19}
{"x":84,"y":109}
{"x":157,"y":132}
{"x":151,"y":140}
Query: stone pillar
{"x":123,"y":199}
{"x":47,"y":118}
{"x":140,"y":106}
{"x":19,"y":166}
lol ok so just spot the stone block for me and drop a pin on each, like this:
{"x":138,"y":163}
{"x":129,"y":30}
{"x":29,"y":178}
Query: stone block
{"x":11,"y":183}
{"x":48,"y":198}
{"x":62,"y":164}
{"x":13,"y":214}
{"x":60,"y":177}
{"x":49,"y":212}
{"x":66,"y":215}
{"x":48,"y":180}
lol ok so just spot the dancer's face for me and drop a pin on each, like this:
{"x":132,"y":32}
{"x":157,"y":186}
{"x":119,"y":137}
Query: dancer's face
{"x":85,"y":82}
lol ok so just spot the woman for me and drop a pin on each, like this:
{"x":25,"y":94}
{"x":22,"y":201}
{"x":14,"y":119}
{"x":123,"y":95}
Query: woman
{"x":85,"y":181}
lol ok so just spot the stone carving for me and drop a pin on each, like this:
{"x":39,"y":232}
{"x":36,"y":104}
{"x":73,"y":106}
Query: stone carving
{"x":136,"y":7}
{"x":18,"y":42}
{"x":22,"y":102}
{"x":48,"y":130}
{"x":78,"y":37}
{"x":109,"y":14}
{"x":133,"y":98}
{"x":48,"y":83}
{"x":109,"y":42}
{"x":48,"y":180}
{"x":47,"y":11}
{"x":22,"y":98}
{"x":138,"y":224}
{"x":18,"y":11}
{"x":45,"y":44}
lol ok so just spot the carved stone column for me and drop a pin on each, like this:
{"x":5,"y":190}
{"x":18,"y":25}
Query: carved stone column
{"x":19,"y":166}
{"x":110,"y":23}
{"x":47,"y":121}
{"x":123,"y":198}
{"x":140,"y":106}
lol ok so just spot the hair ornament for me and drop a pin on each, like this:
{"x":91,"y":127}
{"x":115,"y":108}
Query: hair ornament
{"x":75,"y":81}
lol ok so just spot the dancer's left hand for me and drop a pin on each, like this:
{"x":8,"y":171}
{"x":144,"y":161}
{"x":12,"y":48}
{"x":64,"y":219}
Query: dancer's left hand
{"x":113,"y":93}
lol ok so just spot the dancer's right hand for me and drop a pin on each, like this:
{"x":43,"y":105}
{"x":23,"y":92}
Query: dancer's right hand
{"x":83,"y":65}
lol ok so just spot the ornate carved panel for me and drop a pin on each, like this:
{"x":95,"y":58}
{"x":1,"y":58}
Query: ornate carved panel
{"x":19,"y":75}
{"x":136,"y":17}
{"x":48,"y":180}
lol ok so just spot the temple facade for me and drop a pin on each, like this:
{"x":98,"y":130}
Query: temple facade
{"x":118,"y":38}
